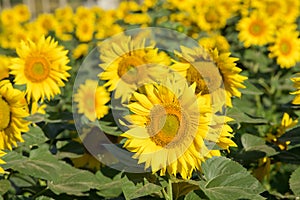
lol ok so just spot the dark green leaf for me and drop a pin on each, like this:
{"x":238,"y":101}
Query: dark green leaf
{"x":226,"y":179}
{"x":255,"y":143}
{"x":184,"y":187}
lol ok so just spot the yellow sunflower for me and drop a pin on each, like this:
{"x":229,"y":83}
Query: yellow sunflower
{"x":168,"y":127}
{"x":128,"y":62}
{"x":256,"y":29}
{"x":211,"y":15}
{"x":91,"y":100}
{"x":42,"y":66}
{"x":13,"y":108}
{"x":286,"y":48}
{"x":214,"y":73}
{"x":296,"y":81}
{"x":85,"y":30}
{"x":22,"y":12}
{"x":1,"y":162}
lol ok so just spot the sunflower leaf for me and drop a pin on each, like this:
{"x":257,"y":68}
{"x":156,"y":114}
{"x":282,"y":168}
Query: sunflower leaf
{"x":226,"y":179}
{"x":241,"y":117}
{"x":4,"y":186}
{"x":132,"y":191}
{"x":295,"y":182}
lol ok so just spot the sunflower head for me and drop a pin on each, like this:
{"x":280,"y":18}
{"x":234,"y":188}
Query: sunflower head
{"x":129,"y":62}
{"x":13,"y":110}
{"x":42,"y":67}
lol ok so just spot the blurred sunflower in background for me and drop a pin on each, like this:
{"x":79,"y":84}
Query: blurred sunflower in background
{"x":257,"y":29}
{"x":91,"y":100}
{"x":286,"y":47}
{"x":14,"y":109}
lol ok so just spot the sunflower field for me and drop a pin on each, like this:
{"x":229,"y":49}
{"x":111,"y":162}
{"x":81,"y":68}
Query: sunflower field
{"x":156,"y":99}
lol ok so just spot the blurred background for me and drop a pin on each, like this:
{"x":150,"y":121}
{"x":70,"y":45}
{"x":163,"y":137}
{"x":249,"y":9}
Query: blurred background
{"x":44,"y":6}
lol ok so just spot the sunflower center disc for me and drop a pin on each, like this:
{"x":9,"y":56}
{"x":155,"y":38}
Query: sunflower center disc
{"x":164,"y":125}
{"x":128,"y":69}
{"x":37,"y":70}
{"x":4,"y":114}
{"x":256,"y":29}
{"x":206,"y":76}
{"x":285,"y":47}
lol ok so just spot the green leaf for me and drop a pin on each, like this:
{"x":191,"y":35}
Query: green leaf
{"x":4,"y":186}
{"x":34,"y":136}
{"x":295,"y":182}
{"x":61,"y":177}
{"x":184,"y":187}
{"x":44,"y":198}
{"x":193,"y":196}
{"x":241,"y":117}
{"x":109,"y":129}
{"x":250,"y":89}
{"x":226,"y":179}
{"x":74,"y":183}
{"x":255,"y":143}
{"x":132,"y":191}
{"x":107,"y":187}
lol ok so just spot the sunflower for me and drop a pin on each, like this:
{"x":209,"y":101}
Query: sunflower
{"x":168,"y":128}
{"x":214,"y":73}
{"x":127,"y":63}
{"x":85,"y":30}
{"x":13,"y":109}
{"x":211,"y":15}
{"x":91,"y":100}
{"x":1,"y":162}
{"x":256,"y":29}
{"x":42,"y":66}
{"x":286,"y":48}
{"x":296,"y":81}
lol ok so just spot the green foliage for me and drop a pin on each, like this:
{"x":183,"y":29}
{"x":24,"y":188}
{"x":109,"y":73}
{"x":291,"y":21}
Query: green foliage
{"x":295,"y":182}
{"x":226,"y":179}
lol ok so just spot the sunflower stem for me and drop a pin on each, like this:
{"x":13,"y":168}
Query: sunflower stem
{"x":170,"y":192}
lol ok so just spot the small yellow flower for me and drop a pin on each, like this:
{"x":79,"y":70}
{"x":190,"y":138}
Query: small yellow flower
{"x":85,"y":30}
{"x":91,"y":100}
{"x":80,"y":51}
